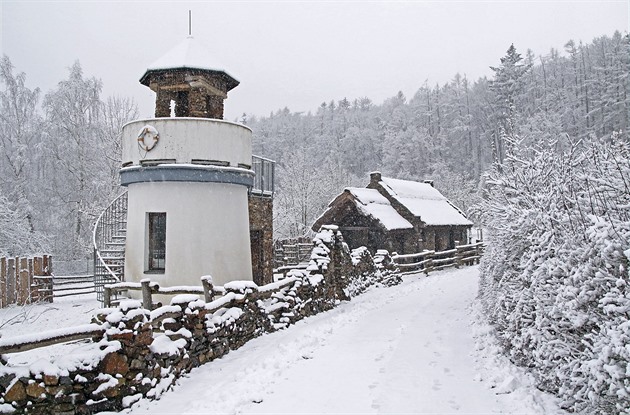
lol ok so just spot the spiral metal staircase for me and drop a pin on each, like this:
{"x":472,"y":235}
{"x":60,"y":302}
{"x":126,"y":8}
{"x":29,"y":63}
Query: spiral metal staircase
{"x":109,"y":238}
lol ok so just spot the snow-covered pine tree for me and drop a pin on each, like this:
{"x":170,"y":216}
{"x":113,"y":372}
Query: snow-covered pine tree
{"x":508,"y":85}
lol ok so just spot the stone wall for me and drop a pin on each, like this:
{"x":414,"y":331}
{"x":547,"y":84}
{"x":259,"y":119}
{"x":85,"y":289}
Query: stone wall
{"x":261,"y":234}
{"x":143,"y":352}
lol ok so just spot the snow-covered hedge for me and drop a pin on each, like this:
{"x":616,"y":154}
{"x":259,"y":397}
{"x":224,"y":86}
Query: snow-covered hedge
{"x":556,"y":272}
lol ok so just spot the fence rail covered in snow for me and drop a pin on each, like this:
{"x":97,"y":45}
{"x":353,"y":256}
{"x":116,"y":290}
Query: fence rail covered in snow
{"x":25,"y":280}
{"x":428,"y":261}
{"x":150,"y":288}
{"x":70,"y":285}
{"x":17,"y":344}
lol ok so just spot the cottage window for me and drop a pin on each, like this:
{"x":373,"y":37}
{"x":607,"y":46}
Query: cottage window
{"x":157,"y":241}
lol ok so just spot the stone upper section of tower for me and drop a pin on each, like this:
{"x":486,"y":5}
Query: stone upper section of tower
{"x":184,"y":76}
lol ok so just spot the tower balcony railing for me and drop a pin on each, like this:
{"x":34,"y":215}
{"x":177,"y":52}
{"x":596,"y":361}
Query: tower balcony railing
{"x":265,"y":171}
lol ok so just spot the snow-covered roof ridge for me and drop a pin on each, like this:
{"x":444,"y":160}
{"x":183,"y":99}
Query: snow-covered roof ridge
{"x":411,"y":189}
{"x":371,"y":203}
{"x":367,"y":196}
{"x":424,"y":201}
{"x":189,"y":53}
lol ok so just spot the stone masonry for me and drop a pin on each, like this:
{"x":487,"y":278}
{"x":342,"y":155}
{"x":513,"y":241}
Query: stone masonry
{"x":261,"y":234}
{"x":196,"y":92}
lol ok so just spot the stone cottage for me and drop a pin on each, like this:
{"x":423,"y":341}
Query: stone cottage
{"x":398,"y":215}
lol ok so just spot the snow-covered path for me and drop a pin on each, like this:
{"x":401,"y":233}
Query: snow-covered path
{"x":404,"y":349}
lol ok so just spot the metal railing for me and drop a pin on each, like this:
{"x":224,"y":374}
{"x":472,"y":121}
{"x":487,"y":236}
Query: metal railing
{"x":109,"y":245}
{"x":264,"y":170}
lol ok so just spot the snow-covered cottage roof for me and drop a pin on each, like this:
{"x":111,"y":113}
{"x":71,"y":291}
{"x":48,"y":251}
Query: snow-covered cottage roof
{"x":371,"y":203}
{"x":424,"y":201}
{"x":188,"y":54}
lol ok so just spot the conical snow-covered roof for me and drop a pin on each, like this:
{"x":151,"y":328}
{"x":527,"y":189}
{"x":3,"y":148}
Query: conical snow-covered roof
{"x":188,"y":54}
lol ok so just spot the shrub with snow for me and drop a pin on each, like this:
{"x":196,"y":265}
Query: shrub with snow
{"x":556,"y":272}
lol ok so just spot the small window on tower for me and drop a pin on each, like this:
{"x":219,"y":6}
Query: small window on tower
{"x":157,"y":241}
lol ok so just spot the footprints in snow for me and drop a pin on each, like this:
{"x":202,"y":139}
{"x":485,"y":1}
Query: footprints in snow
{"x":437,"y":385}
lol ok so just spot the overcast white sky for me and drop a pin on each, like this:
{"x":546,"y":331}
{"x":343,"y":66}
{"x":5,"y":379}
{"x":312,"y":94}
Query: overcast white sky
{"x":294,"y":54}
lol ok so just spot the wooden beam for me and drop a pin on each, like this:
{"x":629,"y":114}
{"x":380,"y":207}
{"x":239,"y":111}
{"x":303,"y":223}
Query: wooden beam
{"x":200,"y":82}
{"x":22,"y":285}
{"x":3,"y":282}
{"x":16,"y":346}
{"x":11,"y":268}
{"x":38,"y":269}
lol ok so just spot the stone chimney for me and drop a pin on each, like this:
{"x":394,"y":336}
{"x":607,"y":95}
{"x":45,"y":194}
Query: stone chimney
{"x":375,"y":177}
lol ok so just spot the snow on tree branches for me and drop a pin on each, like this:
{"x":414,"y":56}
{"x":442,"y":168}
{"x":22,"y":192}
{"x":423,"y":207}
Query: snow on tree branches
{"x":556,"y":273}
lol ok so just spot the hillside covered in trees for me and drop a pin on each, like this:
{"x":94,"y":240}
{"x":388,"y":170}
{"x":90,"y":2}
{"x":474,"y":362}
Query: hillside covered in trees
{"x":61,"y":150}
{"x":450,"y":133}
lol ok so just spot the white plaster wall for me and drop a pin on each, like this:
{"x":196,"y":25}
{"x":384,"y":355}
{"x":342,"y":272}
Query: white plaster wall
{"x":207,"y":232}
{"x":185,"y":139}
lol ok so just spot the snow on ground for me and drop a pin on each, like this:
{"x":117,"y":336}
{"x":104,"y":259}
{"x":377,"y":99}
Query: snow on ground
{"x":420,"y":347}
{"x":64,"y":312}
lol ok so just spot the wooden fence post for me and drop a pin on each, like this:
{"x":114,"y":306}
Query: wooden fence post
{"x":32,"y":282}
{"x":428,"y":266}
{"x":24,"y":286}
{"x":11,"y":281}
{"x":38,"y":263}
{"x":107,"y":297}
{"x":48,"y":265}
{"x":459,"y":257}
{"x":208,"y":289}
{"x":3,"y":282}
{"x":147,"y":301}
{"x":48,"y":271}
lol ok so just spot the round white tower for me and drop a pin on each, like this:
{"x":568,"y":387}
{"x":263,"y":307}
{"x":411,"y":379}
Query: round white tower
{"x":188,"y":177}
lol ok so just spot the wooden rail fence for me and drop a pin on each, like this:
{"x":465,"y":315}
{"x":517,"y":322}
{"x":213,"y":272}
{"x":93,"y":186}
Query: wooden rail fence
{"x":27,"y":342}
{"x":150,"y":288}
{"x":290,"y":252}
{"x":428,"y":261}
{"x":66,"y":286}
{"x":25,"y":280}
